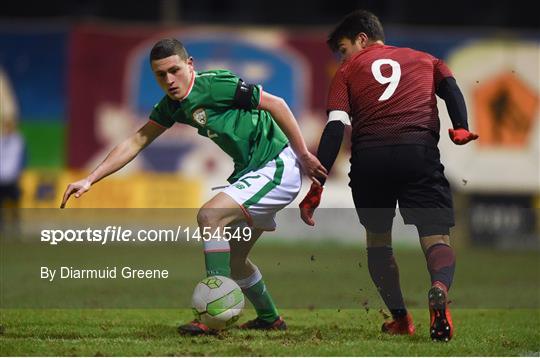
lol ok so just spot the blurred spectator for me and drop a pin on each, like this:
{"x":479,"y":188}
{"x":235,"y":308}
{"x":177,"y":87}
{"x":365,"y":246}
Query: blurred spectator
{"x":12,"y":153}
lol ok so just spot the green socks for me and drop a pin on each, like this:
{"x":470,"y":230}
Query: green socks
{"x":218,"y":263}
{"x":217,"y":259}
{"x":255,"y":290}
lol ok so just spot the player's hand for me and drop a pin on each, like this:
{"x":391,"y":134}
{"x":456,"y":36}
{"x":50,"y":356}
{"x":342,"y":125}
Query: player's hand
{"x":78,"y":188}
{"x":461,"y":136}
{"x":310,"y":203}
{"x":312,"y":167}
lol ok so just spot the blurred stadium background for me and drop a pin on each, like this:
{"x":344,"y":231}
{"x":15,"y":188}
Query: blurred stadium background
{"x":76,"y":80}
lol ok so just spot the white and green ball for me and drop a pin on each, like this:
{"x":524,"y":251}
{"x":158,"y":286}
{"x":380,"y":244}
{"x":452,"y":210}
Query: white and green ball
{"x":217,"y":302}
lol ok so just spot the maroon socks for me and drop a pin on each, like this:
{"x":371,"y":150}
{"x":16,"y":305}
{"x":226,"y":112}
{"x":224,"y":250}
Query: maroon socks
{"x":441,"y":264}
{"x":385,"y":274}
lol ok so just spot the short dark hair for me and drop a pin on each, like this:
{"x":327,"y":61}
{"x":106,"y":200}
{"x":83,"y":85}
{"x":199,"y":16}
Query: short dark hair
{"x":353,"y":24}
{"x":168,"y":47}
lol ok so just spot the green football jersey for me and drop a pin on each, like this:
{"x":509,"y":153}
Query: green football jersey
{"x":250,"y":136}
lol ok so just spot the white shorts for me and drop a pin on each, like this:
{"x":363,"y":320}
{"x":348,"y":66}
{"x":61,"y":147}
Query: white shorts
{"x":263,"y":192}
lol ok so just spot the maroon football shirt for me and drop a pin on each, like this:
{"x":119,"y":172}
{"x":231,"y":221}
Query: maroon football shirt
{"x":389,"y":92}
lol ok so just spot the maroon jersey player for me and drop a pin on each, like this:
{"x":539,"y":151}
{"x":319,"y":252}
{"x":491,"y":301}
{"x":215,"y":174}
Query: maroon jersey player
{"x":390,"y":94}
{"x":387,"y":94}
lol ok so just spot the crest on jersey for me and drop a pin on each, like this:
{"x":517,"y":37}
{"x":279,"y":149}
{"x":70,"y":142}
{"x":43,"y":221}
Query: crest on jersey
{"x":199,"y":116}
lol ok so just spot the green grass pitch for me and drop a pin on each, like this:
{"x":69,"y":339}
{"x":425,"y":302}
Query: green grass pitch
{"x":323,"y":332}
{"x":324,"y":293}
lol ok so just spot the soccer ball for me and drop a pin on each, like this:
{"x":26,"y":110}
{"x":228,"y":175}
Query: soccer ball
{"x":217,"y":302}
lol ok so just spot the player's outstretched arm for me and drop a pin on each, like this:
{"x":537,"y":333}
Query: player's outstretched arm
{"x":448,"y":90}
{"x":122,"y":154}
{"x":286,"y":121}
{"x":327,"y":153}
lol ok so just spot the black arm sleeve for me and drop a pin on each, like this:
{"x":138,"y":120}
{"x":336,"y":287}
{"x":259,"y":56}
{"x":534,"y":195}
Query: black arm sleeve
{"x":242,"y":96}
{"x":449,"y":91}
{"x":329,"y":145}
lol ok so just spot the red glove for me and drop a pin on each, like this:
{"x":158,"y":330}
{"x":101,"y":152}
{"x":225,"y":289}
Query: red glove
{"x":310,"y":203}
{"x":461,"y":136}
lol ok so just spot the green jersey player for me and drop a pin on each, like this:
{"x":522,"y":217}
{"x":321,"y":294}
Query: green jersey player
{"x":259,"y":132}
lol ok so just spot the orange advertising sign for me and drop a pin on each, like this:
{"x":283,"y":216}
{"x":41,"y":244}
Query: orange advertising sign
{"x":505,"y":111}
